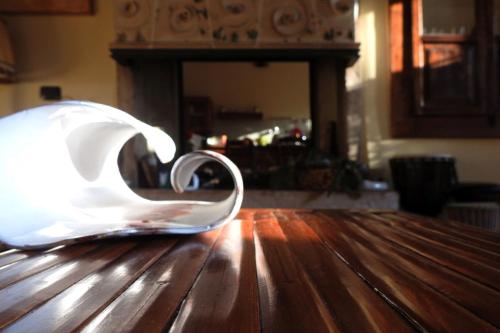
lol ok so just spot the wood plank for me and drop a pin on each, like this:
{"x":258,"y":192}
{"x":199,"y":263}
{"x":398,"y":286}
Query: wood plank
{"x":476,"y":297}
{"x":339,"y":287}
{"x":463,"y":228}
{"x":151,"y":302}
{"x":446,"y":229}
{"x":24,"y":296}
{"x":486,"y":274}
{"x":418,"y":302}
{"x":25,"y":268}
{"x":437,"y":240}
{"x":483,"y":249}
{"x":93,"y":293}
{"x":10,"y":256}
{"x":270,"y":270}
{"x":289,"y":302}
{"x":225,"y":295}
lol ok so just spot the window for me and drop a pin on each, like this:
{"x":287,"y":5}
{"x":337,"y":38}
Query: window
{"x":443,"y":68}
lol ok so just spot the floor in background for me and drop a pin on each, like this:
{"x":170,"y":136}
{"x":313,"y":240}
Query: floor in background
{"x":287,"y":199}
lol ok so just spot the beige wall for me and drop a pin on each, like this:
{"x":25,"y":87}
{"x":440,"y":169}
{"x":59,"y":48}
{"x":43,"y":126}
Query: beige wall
{"x":279,"y":90}
{"x":68,"y":51}
{"x":478,"y":159}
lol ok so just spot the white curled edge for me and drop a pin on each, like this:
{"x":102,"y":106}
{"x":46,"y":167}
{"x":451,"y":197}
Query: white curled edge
{"x":104,"y":206}
{"x":227,"y":209}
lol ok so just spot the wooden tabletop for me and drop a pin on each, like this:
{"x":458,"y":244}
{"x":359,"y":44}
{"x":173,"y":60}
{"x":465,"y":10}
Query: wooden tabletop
{"x":269,"y":270}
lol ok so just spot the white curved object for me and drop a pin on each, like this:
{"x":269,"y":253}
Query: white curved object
{"x":60,"y":182}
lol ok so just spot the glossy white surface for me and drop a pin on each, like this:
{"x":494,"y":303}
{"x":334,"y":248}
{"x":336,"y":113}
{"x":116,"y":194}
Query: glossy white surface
{"x":60,"y":180}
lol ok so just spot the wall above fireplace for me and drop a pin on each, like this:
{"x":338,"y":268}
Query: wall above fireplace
{"x":234,"y":23}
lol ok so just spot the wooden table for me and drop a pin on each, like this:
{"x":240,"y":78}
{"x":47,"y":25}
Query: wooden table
{"x":270,"y":270}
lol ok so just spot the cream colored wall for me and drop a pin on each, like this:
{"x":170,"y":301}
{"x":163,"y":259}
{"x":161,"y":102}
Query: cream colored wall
{"x":477,"y":159}
{"x":69,"y":51}
{"x":279,"y":90}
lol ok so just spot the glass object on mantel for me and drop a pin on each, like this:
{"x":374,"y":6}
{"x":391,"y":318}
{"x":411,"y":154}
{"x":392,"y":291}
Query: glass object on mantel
{"x":448,"y":17}
{"x":61,"y":182}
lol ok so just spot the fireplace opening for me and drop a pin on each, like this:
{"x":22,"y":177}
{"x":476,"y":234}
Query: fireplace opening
{"x":279,"y":114}
{"x":256,"y":113}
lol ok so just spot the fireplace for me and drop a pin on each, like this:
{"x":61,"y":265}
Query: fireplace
{"x":155,"y":38}
{"x":150,"y":86}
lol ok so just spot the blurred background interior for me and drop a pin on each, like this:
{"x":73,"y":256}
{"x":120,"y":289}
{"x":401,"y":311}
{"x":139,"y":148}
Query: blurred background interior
{"x":337,"y":104}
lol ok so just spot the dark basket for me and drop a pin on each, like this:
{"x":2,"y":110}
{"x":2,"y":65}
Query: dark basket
{"x":424,"y":183}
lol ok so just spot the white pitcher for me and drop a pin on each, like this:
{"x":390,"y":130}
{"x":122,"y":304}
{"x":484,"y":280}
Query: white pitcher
{"x":60,"y":182}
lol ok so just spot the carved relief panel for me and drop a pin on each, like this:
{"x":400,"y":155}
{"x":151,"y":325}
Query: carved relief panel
{"x":182,"y":20}
{"x":133,"y":20}
{"x":235,"y":22}
{"x":285,"y":21}
{"x":336,"y":19}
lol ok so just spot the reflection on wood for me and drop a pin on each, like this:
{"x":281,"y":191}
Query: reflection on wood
{"x":269,"y":270}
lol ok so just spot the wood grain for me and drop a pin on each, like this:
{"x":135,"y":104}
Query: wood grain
{"x":339,"y":287}
{"x":224,"y":298}
{"x":476,"y":297}
{"x":420,"y":303}
{"x":484,"y":273}
{"x":10,"y":256}
{"x":288,"y":299}
{"x":24,"y":296}
{"x":270,"y":270}
{"x":151,"y":302}
{"x":442,"y":241}
{"x":92,"y":293}
{"x":41,"y":262}
{"x":469,"y":233}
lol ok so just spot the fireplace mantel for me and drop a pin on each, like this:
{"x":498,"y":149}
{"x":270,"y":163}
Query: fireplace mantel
{"x":346,"y":53}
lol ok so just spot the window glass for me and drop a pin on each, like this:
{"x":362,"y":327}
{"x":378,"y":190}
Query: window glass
{"x":455,"y":17}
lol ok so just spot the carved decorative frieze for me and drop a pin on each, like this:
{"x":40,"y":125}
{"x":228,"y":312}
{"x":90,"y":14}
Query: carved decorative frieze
{"x":182,"y":20}
{"x":133,"y":20}
{"x":234,"y":23}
